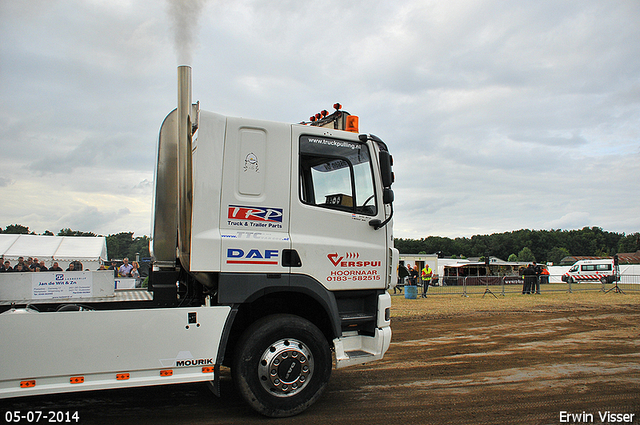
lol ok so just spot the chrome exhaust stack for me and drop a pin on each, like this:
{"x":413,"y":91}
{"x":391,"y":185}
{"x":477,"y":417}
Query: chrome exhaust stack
{"x":187,"y":124}
{"x":171,"y":234}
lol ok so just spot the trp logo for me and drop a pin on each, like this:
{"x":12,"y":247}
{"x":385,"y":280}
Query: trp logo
{"x":237,"y":212}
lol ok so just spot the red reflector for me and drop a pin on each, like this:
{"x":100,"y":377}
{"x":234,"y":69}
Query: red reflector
{"x":122,"y":376}
{"x":76,"y":380}
{"x":167,"y":372}
{"x":28,"y":384}
{"x":207,"y":369}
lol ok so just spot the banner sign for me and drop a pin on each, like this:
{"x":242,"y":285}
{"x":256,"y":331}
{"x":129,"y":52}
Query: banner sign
{"x":55,"y":285}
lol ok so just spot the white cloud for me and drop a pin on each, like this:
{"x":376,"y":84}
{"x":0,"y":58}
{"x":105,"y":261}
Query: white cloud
{"x":500,"y":116}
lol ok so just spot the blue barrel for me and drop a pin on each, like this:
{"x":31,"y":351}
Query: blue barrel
{"x":410,"y":292}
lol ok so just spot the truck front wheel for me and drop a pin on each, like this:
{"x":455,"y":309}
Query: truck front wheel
{"x":282,"y":365}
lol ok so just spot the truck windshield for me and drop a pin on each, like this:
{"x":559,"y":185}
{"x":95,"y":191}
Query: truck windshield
{"x":336,"y":174}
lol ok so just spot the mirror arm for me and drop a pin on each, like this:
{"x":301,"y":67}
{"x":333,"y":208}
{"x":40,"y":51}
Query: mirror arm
{"x":377,"y":224}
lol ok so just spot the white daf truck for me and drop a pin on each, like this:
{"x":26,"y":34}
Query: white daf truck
{"x":273,"y":250}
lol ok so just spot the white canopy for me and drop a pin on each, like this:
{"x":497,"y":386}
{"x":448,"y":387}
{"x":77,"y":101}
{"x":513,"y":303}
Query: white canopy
{"x":86,"y":249}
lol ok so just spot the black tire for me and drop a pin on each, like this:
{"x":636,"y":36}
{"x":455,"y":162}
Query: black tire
{"x":282,"y":364}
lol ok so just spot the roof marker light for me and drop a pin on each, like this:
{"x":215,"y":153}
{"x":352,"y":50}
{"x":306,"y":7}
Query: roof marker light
{"x":352,"y":123}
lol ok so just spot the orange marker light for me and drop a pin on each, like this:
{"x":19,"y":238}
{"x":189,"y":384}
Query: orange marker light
{"x":207,"y":369}
{"x":167,"y":372}
{"x":122,"y":376}
{"x":352,"y":123}
{"x":76,"y":380}
{"x":28,"y":384}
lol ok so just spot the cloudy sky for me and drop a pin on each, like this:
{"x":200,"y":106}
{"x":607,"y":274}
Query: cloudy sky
{"x":500,"y":115}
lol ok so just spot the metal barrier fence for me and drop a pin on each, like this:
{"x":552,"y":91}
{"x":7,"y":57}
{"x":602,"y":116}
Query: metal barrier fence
{"x":501,"y":285}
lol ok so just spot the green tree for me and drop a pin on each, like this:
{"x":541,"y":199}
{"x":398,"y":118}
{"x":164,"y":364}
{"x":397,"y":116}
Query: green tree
{"x":512,"y":258}
{"x":555,"y":255}
{"x":526,"y":255}
{"x":68,"y":232}
{"x":123,"y":244}
{"x":629,"y":243}
{"x":17,"y":229}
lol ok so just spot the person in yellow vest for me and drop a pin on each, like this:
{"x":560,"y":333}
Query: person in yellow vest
{"x":426,"y":274}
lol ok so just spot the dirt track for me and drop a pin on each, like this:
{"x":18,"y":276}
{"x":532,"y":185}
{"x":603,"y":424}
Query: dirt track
{"x":504,"y":366}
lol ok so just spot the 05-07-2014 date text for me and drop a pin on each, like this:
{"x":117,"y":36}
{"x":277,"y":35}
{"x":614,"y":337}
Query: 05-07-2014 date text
{"x":41,"y":416}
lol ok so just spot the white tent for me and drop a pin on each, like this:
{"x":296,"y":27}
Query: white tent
{"x":63,"y":249}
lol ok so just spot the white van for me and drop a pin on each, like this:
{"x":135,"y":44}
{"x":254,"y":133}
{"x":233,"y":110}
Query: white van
{"x":601,"y":270}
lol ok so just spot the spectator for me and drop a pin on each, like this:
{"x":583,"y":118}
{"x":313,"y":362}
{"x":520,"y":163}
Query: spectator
{"x":134,"y":270}
{"x":34,"y":263}
{"x":402,"y":274}
{"x":530,"y":278}
{"x":114,"y":267}
{"x":413,"y":272}
{"x":536,"y":284}
{"x":544,"y":276}
{"x":6,"y":267}
{"x":43,"y":268}
{"x":427,"y":273}
{"x":24,"y":267}
{"x":125,"y":268}
{"x":71,"y":267}
{"x":55,"y":267}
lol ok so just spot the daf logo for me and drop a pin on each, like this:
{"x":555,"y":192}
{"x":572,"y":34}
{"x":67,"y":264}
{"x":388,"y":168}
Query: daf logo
{"x":253,"y":256}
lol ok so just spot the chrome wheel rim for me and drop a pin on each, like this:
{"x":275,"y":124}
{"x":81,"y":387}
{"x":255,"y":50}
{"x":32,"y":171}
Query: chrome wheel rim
{"x":285,"y":367}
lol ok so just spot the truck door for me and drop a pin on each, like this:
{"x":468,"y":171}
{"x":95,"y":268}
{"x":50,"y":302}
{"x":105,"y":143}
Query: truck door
{"x":255,"y":197}
{"x":335,"y":193}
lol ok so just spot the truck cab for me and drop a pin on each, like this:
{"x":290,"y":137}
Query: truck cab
{"x":276,"y":219}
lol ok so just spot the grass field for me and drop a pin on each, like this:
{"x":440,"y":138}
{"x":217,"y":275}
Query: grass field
{"x":450,"y":305}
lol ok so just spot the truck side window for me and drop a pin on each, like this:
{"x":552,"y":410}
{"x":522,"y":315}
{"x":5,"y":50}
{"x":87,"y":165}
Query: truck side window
{"x":336,"y":174}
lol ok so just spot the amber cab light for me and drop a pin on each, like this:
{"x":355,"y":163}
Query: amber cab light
{"x":352,"y":123}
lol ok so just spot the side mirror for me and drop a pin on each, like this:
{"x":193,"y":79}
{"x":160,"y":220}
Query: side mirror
{"x":385,"y":168}
{"x":387,"y":195}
